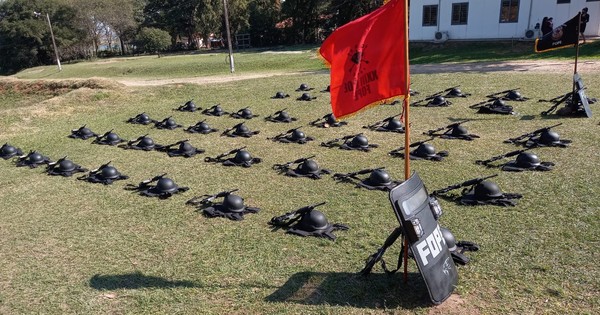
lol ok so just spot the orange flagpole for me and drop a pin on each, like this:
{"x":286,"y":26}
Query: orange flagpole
{"x":406,"y":127}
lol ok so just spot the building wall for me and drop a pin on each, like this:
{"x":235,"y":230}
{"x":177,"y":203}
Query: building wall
{"x":483,"y":20}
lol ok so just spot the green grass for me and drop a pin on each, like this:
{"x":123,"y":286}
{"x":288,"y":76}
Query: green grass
{"x":294,"y":59}
{"x":70,"y":247}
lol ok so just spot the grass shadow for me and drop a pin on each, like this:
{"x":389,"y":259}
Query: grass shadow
{"x":136,"y":280}
{"x":374,"y":291}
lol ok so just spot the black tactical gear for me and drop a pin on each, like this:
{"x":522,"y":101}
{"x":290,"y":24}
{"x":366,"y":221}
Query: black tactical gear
{"x":479,"y":191}
{"x":164,"y":187}
{"x":307,"y":221}
{"x":240,"y":157}
{"x":378,"y":179}
{"x":232,"y":206}
{"x":215,"y":110}
{"x":181,"y":148}
{"x":167,"y":123}
{"x":292,"y":136}
{"x":456,"y":92}
{"x":189,"y":106}
{"x":108,"y":138}
{"x":105,"y":174}
{"x":239,"y":130}
{"x":280,"y":95}
{"x":244,"y":113}
{"x":306,"y":167}
{"x":8,"y":151}
{"x":64,"y":167}
{"x":141,"y":143}
{"x":280,"y":116}
{"x":457,"y":248}
{"x":303,"y":87}
{"x":496,"y":106}
{"x":327,"y":121}
{"x":547,"y":138}
{"x":33,"y":159}
{"x":306,"y":97}
{"x":201,"y":127}
{"x":142,"y":119}
{"x":527,"y":161}
{"x":390,"y":124}
{"x":439,"y":101}
{"x":82,"y":132}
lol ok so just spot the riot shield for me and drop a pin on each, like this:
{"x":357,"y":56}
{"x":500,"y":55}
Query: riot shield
{"x":580,"y":90}
{"x":416,"y":213}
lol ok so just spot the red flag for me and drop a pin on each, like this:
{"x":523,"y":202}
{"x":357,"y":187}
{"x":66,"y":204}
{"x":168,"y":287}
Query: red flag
{"x":368,"y":58}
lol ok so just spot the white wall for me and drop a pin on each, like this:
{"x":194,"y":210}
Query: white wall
{"x":483,"y":20}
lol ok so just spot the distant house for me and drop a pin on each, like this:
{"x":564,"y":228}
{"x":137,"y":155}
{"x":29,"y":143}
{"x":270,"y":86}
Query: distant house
{"x":440,"y":20}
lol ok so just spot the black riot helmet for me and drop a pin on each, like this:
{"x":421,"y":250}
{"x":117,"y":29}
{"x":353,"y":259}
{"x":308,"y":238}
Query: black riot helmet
{"x":66,"y":166}
{"x":166,"y":185}
{"x":549,"y":137}
{"x":280,"y":95}
{"x":112,"y":137}
{"x":305,"y":97}
{"x":186,"y":147}
{"x":499,"y":103}
{"x":330,"y":119}
{"x":189,"y":105}
{"x":109,"y":172}
{"x":233,"y":203}
{"x":246,"y":113}
{"x":217,"y":109}
{"x":203,"y":126}
{"x":513,"y":95}
{"x":360,"y":141}
{"x":449,"y":238}
{"x":146,"y":142}
{"x":487,"y":190}
{"x":170,"y":122}
{"x":425,"y":150}
{"x":303,"y":87}
{"x":36,"y":157}
{"x":455,"y":92}
{"x":283,"y":115}
{"x":379,"y":177}
{"x":439,"y":100}
{"x":527,"y":160}
{"x":313,"y":221}
{"x":84,"y":131}
{"x":394,"y":124}
{"x":459,"y":131}
{"x":242,"y":156}
{"x":242,"y":129}
{"x":297,"y":135}
{"x":308,"y":166}
{"x":8,"y":149}
{"x":143,"y":117}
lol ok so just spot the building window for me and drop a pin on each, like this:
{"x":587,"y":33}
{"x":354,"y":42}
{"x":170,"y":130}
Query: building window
{"x":563,"y":1}
{"x":509,"y":11}
{"x":430,"y":15}
{"x":460,"y":12}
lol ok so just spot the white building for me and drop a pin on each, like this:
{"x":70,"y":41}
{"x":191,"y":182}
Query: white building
{"x":439,"y":20}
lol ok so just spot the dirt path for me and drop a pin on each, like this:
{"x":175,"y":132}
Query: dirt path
{"x":545,"y":66}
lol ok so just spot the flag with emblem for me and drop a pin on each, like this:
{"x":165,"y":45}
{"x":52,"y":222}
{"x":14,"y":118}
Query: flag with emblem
{"x":565,"y":35}
{"x":368,"y":58}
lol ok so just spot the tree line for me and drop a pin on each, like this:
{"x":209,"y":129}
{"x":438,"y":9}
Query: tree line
{"x":85,"y":29}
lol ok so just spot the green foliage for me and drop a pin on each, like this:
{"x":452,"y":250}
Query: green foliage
{"x":154,"y":40}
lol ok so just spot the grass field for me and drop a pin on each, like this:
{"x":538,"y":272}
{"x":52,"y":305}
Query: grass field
{"x":71,"y":247}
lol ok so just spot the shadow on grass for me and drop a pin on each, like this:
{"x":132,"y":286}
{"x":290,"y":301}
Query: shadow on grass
{"x":352,"y":289}
{"x":136,"y":280}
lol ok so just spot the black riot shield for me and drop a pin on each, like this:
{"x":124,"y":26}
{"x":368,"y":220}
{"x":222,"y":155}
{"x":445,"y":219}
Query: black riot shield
{"x":415,"y":212}
{"x":580,"y":90}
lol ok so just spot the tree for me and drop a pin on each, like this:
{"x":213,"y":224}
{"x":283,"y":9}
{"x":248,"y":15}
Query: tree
{"x":25,"y":40}
{"x":263,"y":15}
{"x":307,"y":17}
{"x":154,"y":40}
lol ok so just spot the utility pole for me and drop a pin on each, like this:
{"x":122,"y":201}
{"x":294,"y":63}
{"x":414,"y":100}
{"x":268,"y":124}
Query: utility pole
{"x":37,"y":14}
{"x":231,"y":66}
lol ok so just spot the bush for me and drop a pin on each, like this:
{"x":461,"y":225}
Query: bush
{"x":154,"y":40}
